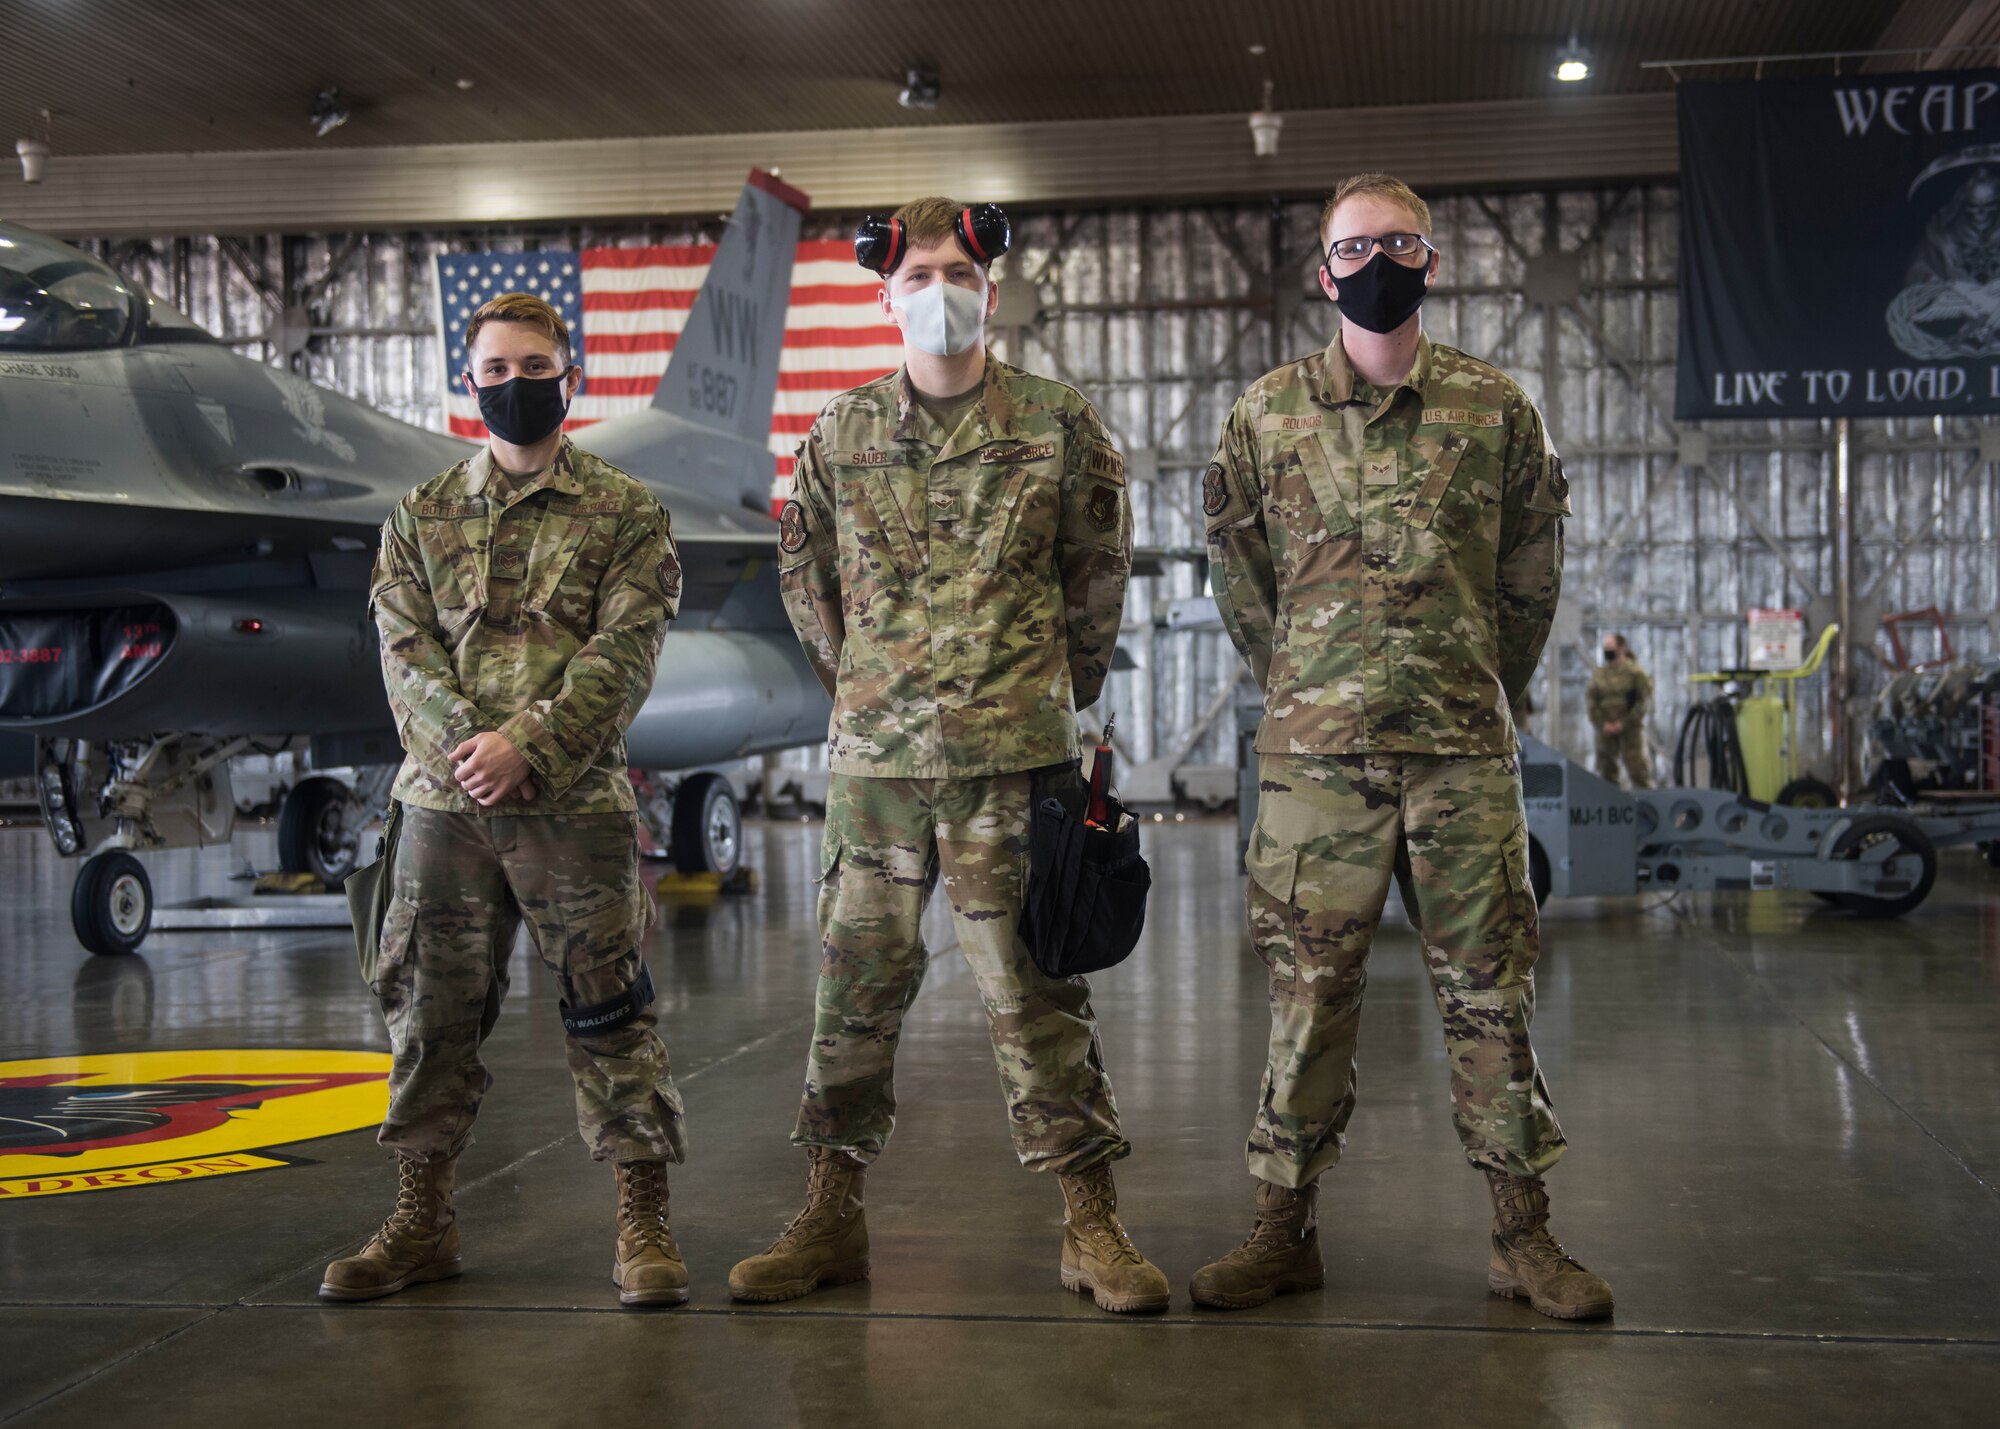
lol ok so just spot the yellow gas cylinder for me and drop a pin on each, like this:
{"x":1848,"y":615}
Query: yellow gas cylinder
{"x":1760,"y":729}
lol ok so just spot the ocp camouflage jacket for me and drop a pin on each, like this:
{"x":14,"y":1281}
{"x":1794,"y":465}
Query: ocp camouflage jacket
{"x":958,"y":593}
{"x":1388,"y":563}
{"x":536,"y":612}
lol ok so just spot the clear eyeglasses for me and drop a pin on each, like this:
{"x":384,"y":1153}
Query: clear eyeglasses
{"x":1400,"y":246}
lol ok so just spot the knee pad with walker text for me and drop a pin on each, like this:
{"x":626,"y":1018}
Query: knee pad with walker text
{"x":612,"y":1014}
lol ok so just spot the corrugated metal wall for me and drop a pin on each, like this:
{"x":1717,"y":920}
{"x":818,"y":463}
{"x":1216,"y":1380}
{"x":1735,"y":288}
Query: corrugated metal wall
{"x":1162,"y":316}
{"x":1165,"y":316}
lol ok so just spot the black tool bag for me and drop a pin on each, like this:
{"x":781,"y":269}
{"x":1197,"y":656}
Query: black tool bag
{"x":1086,"y":903}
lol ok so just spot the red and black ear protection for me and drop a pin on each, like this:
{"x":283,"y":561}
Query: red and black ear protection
{"x":879,"y":244}
{"x":982,"y":231}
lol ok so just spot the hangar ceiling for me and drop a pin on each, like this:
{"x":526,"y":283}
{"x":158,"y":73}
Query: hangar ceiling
{"x":137,"y":76}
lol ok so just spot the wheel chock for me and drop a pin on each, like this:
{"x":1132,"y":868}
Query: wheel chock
{"x":693,"y":886}
{"x":288,"y":883}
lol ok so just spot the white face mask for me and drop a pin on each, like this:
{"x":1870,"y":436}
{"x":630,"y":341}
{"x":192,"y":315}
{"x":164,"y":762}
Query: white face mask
{"x":943,"y":319}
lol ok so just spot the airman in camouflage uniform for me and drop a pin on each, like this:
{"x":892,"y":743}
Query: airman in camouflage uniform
{"x":1618,"y":701}
{"x":532,"y":606}
{"x":1387,"y":559}
{"x":957,"y":585}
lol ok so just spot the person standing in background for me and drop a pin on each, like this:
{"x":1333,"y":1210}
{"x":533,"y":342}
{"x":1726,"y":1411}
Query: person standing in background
{"x":1619,"y":700}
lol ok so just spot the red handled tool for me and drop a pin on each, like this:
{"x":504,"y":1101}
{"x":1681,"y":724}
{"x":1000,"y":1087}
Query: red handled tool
{"x":1099,"y":815}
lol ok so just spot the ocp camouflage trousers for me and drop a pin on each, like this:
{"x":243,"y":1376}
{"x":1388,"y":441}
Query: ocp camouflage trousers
{"x":888,"y":843}
{"x":1627,"y":747}
{"x":464,"y":884}
{"x":1330,"y":834}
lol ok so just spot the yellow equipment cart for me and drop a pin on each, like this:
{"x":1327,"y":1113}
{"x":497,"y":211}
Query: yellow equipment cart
{"x":1747,"y":736}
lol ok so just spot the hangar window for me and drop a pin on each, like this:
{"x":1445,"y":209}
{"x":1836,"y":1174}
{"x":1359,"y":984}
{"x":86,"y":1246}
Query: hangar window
{"x":54,"y":297}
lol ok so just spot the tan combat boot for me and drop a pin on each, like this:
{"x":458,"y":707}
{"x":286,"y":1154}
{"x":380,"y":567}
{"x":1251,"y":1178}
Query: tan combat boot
{"x":1097,"y":1254}
{"x":418,"y":1242}
{"x":1528,"y":1261}
{"x":826,"y":1243}
{"x":1280,"y":1257}
{"x":649,"y":1269}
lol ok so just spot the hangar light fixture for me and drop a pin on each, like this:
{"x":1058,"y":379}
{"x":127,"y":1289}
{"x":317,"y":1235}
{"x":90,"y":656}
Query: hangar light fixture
{"x":34,"y":158}
{"x":328,"y":112}
{"x":921,"y":88}
{"x":1265,"y":127}
{"x":1572,"y":62}
{"x":34,"y":150}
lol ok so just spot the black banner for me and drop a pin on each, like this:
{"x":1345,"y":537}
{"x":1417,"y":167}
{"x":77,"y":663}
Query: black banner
{"x":1840,"y":246}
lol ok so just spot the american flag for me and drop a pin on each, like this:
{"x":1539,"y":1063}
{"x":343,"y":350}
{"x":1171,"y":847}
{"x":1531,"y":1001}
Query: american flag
{"x":625,"y":307}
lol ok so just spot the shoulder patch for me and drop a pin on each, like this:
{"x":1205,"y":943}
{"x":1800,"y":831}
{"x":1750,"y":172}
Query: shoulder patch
{"x":792,"y":528}
{"x":1214,"y":490}
{"x":1558,"y":483}
{"x":1017,"y":452}
{"x":1462,"y":417}
{"x":1106,"y":464}
{"x":1279,"y":422}
{"x":450,"y":510}
{"x":1101,"y":509}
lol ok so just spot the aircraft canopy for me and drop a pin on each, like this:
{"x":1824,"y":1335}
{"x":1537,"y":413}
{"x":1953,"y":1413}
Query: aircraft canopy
{"x":54,"y":297}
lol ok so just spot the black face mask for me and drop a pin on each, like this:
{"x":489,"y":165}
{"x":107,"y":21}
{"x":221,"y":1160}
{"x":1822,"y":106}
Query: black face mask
{"x":1611,"y":657}
{"x":523,"y":410}
{"x":1382,"y":295}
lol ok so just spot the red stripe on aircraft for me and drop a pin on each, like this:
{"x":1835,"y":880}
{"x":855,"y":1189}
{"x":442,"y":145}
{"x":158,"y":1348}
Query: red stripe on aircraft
{"x":778,"y":188}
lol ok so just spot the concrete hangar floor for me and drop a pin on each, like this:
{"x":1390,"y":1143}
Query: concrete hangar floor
{"x":1785,"y":1148}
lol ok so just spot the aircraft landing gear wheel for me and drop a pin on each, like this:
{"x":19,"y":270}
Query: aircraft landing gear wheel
{"x":1912,"y":858}
{"x":708,"y":828}
{"x":111,"y":906}
{"x":318,"y":832}
{"x":1539,"y":877}
{"x":1807,"y":792}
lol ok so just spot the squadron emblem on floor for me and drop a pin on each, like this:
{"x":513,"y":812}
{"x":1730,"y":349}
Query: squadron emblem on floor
{"x":102,"y":1123}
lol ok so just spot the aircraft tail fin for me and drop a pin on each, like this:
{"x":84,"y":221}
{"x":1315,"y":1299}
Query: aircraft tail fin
{"x":724,"y":371}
